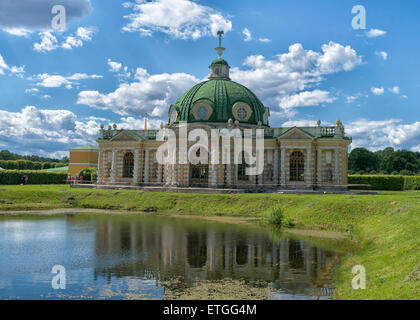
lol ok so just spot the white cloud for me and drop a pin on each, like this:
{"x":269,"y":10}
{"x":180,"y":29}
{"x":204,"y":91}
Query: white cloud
{"x":56,"y":81}
{"x":382,"y":54}
{"x":373,"y":33}
{"x":182,"y":19}
{"x":247,"y":34}
{"x":32,"y":90}
{"x":381,"y":134}
{"x":53,"y":132}
{"x":337,"y":58}
{"x":283,"y":81}
{"x":352,"y":98}
{"x":48,"y":42}
{"x":306,"y":98}
{"x":14,"y":70}
{"x":395,"y":90}
{"x":33,"y":130}
{"x":82,"y":35}
{"x":3,"y":65}
{"x":300,"y":123}
{"x":115,"y":66}
{"x":377,"y":91}
{"x":149,"y":93}
{"x":20,"y":18}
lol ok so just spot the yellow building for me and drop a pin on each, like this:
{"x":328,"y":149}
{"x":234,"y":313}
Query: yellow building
{"x":81,"y":158}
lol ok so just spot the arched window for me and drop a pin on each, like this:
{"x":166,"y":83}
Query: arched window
{"x":128,"y":165}
{"x":242,"y":176}
{"x":297,"y":166}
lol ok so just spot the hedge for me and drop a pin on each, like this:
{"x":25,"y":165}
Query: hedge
{"x":385,"y":182}
{"x":28,"y":165}
{"x":34,"y":177}
{"x":412,"y":183}
{"x":377,"y":182}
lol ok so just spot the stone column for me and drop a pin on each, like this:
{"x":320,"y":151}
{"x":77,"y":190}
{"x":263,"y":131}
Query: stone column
{"x":146,"y":167}
{"x":167,"y":174}
{"x":308,"y":173}
{"x":319,"y":167}
{"x":175,"y":167}
{"x":261,"y":176}
{"x":213,"y":170}
{"x":136,"y":167}
{"x":160,"y":174}
{"x":99,"y":178}
{"x":283,"y":167}
{"x":337,"y":178}
{"x":114,"y":166}
{"x":276,"y":167}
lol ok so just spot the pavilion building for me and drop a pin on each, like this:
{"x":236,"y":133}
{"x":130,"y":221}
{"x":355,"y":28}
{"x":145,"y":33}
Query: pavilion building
{"x":294,"y":157}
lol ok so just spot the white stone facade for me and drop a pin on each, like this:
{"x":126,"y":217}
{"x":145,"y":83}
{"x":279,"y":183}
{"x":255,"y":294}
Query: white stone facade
{"x":293,"y":158}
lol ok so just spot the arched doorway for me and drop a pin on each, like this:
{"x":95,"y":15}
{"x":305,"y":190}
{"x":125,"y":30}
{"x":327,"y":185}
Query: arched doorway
{"x":199,"y":173}
{"x":128,"y":165}
{"x":297,"y":166}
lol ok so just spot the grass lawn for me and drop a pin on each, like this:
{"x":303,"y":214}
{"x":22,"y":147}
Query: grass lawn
{"x":385,"y":228}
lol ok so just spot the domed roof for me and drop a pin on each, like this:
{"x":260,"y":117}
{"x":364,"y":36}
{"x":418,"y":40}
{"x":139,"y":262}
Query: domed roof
{"x":219,"y":61}
{"x":224,"y":97}
{"x":219,"y":99}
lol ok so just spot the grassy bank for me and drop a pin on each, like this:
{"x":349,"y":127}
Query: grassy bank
{"x":384,"y":227}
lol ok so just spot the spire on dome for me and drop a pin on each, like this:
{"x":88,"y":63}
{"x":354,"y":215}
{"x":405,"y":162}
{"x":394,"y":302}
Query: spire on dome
{"x":219,"y":68}
{"x":220,"y":49}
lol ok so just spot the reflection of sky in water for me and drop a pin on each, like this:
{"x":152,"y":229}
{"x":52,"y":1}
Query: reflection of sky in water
{"x":127,"y":257}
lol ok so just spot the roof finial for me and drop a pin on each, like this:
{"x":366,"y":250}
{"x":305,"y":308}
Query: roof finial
{"x":145,"y":122}
{"x":220,"y":49}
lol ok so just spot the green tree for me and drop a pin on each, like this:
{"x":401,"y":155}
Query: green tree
{"x":46,"y":165}
{"x":37,"y":165}
{"x":361,"y":159}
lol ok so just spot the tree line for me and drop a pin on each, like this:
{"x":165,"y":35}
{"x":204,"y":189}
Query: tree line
{"x":386,"y":161}
{"x":13,"y":161}
{"x":7,"y":155}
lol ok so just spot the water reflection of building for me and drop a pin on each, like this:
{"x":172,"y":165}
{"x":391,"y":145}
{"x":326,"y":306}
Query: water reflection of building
{"x":171,"y":248}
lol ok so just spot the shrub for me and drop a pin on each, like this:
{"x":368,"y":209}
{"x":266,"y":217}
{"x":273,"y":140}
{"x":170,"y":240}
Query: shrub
{"x":89,"y":174}
{"x":278,"y":218}
{"x":412,"y":183}
{"x":9,"y":177}
{"x":377,"y":182}
{"x":405,"y":173}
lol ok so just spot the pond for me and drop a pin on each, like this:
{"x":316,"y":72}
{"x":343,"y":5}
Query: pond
{"x":111,"y":256}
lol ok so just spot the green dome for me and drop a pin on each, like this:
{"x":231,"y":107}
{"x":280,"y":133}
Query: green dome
{"x":219,"y":61}
{"x":225,"y":97}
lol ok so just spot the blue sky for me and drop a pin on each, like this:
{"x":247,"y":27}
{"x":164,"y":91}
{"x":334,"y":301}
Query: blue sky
{"x":117,"y":60}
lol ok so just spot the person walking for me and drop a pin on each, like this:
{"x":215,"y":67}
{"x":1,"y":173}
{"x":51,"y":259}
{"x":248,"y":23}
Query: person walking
{"x":26,"y":179}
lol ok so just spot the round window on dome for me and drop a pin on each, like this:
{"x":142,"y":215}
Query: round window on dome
{"x":202,"y":111}
{"x":173,"y":114}
{"x":242,"y":111}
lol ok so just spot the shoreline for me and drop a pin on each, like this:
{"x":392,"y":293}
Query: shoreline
{"x":324,"y":234}
{"x":378,"y":232}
